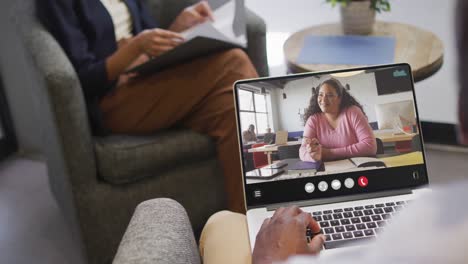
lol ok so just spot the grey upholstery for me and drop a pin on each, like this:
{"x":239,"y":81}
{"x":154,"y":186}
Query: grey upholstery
{"x":90,"y":177}
{"x":126,"y":159}
{"x":159,"y":232}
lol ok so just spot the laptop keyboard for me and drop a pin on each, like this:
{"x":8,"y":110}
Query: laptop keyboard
{"x":351,"y":224}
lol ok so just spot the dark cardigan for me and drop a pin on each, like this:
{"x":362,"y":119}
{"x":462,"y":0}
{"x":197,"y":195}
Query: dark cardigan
{"x":85,"y":31}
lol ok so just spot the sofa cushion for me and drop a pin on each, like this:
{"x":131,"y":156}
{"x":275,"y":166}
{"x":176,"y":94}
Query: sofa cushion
{"x":125,"y":159}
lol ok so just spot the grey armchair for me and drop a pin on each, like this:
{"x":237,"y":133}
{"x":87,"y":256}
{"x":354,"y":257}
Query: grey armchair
{"x":98,"y":181}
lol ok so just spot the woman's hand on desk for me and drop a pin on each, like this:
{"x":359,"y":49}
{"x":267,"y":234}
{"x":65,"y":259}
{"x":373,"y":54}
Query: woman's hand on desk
{"x":314,"y":148}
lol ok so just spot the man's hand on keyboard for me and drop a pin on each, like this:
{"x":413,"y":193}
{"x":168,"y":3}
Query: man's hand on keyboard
{"x":284,"y":235}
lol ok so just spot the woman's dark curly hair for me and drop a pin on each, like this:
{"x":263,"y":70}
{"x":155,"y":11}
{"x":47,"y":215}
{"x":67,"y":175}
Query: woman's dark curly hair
{"x":347,"y":99}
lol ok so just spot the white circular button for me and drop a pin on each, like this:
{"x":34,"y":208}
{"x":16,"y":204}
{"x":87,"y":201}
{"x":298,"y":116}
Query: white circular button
{"x":336,"y":185}
{"x":349,"y":183}
{"x":323,"y":186}
{"x":309,"y":187}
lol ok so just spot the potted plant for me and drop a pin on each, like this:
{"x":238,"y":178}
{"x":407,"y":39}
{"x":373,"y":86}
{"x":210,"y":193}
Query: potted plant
{"x":358,"y":16}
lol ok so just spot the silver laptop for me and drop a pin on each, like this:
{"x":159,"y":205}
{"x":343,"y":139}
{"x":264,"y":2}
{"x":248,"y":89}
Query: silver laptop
{"x":352,"y":198}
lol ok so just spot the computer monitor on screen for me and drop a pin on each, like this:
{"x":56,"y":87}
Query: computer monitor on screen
{"x":395,"y":115}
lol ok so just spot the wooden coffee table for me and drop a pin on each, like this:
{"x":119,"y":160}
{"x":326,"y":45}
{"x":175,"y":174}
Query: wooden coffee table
{"x":421,"y":49}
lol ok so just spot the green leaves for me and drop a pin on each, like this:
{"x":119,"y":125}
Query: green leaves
{"x":377,"y":5}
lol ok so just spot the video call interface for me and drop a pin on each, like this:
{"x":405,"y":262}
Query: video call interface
{"x":307,"y":126}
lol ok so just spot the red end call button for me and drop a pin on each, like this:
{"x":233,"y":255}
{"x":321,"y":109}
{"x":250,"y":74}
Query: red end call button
{"x":363,"y":181}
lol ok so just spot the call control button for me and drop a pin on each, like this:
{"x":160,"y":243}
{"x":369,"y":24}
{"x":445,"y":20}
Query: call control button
{"x":363,"y":181}
{"x":309,"y":187}
{"x":349,"y":183}
{"x":336,"y":185}
{"x":323,"y":186}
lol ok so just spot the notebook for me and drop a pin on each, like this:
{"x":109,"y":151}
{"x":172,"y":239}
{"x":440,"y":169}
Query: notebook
{"x":347,"y":50}
{"x":228,"y":30}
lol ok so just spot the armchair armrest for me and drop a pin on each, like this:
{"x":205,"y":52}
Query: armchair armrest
{"x":159,"y":232}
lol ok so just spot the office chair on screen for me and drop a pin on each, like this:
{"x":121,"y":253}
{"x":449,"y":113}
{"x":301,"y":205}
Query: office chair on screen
{"x":260,"y":159}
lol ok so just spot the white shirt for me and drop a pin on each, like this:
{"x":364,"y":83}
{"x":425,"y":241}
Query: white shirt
{"x":433,"y":229}
{"x":121,"y":18}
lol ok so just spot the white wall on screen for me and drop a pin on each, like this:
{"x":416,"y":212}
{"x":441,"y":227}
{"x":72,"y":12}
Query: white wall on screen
{"x":298,"y":92}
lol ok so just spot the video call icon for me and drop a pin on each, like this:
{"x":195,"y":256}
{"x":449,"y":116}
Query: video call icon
{"x":323,"y":186}
{"x":363,"y":181}
{"x":309,"y":187}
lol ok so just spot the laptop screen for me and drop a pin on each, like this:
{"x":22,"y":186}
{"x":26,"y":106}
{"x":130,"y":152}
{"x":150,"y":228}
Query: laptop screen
{"x":348,"y":132}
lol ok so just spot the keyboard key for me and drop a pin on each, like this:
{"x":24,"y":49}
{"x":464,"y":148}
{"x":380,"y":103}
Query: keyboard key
{"x":309,"y":232}
{"x":327,"y":237}
{"x":324,"y":224}
{"x":365,"y":219}
{"x":390,"y":204}
{"x":334,"y":223}
{"x":368,"y":212}
{"x":355,"y":220}
{"x":368,"y":232}
{"x":337,"y":216}
{"x":318,"y":218}
{"x":369,"y":206}
{"x":327,"y":212}
{"x":379,"y":205}
{"x":344,"y":242}
{"x":376,"y":218}
{"x":329,"y":230}
{"x":337,"y":236}
{"x":317,"y":213}
{"x":327,"y":217}
{"x":381,"y":223}
{"x":358,"y":234}
{"x":348,"y":214}
{"x":386,"y":216}
{"x":347,"y":235}
{"x":400,"y":202}
{"x":388,"y":209}
{"x":338,"y":210}
{"x":339,"y":229}
{"x":378,"y":211}
{"x":371,"y":225}
{"x":358,"y":213}
{"x":361,"y":226}
{"x":398,"y":207}
{"x":349,"y":209}
{"x":345,"y":222}
{"x":350,"y":228}
{"x":358,"y":207}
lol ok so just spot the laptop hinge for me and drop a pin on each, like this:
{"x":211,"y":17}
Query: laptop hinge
{"x":340,"y":199}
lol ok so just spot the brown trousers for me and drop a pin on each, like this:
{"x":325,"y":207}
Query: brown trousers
{"x":197,"y":95}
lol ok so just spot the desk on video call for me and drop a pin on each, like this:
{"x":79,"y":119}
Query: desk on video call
{"x":269,"y":149}
{"x":398,"y":160}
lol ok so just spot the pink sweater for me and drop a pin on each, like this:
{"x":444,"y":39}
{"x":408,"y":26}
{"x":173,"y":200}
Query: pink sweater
{"x":353,"y":137}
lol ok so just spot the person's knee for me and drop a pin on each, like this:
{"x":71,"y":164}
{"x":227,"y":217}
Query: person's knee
{"x":237,"y":54}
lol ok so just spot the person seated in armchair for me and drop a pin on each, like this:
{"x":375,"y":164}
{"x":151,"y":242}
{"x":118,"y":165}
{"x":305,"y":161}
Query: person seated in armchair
{"x":104,"y":38}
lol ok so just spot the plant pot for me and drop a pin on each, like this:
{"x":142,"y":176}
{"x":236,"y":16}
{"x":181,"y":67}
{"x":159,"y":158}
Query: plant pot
{"x":357,"y":18}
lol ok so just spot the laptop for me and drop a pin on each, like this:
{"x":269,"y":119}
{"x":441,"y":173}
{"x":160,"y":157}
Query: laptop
{"x":281,"y":139}
{"x":351,"y":204}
